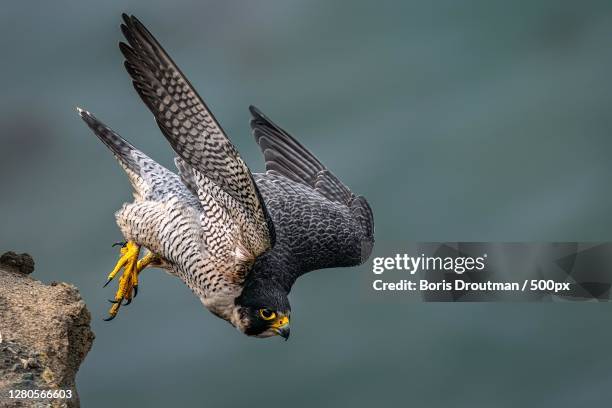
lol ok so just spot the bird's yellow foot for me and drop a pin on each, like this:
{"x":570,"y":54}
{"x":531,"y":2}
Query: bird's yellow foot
{"x":128,"y":282}
{"x":129,"y":278}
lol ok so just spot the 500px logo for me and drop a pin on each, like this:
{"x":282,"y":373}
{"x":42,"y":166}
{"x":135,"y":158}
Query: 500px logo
{"x":412,"y":264}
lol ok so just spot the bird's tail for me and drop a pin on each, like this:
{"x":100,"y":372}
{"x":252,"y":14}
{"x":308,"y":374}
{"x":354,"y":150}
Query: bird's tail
{"x":145,"y":174}
{"x":121,"y":148}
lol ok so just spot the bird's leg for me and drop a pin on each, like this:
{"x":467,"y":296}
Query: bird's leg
{"x":129,"y":263}
{"x":128,"y":283}
{"x":149,"y":259}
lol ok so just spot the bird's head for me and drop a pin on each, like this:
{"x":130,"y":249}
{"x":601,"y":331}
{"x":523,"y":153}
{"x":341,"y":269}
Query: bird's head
{"x":263,"y":311}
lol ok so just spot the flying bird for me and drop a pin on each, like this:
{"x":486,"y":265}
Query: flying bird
{"x":238,"y":239}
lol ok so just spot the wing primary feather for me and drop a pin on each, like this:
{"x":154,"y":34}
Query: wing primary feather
{"x":286,"y":156}
{"x":270,"y":136}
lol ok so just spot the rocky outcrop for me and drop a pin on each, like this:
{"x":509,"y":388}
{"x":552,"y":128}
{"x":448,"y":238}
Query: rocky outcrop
{"x":44,"y":336}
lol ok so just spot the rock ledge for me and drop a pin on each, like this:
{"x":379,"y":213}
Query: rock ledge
{"x":44,"y":334}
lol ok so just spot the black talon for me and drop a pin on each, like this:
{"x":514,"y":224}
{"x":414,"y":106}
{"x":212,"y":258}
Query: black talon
{"x":107,"y":282}
{"x":127,"y":302}
{"x":135,"y":291}
{"x":120,"y":243}
{"x":109,"y":318}
{"x":112,"y":301}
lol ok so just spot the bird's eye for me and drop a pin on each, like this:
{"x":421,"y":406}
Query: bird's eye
{"x":267,"y":314}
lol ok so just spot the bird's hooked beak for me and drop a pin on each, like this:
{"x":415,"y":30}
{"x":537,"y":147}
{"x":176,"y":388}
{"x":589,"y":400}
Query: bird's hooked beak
{"x":281,"y":327}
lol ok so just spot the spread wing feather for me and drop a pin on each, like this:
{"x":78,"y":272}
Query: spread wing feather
{"x":343,"y":228}
{"x":204,"y":150}
{"x":287,"y":157}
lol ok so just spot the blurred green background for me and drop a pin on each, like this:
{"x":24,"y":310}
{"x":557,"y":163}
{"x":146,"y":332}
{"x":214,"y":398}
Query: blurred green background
{"x":479,"y":120}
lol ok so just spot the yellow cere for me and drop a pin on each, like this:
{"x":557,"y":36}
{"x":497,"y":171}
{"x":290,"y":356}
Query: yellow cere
{"x":282,"y":321}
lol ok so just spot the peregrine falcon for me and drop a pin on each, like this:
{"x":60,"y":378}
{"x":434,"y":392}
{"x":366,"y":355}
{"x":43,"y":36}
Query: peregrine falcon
{"x":238,"y":239}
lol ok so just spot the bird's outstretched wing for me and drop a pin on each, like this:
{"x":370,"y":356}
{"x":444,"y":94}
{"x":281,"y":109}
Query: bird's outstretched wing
{"x":195,"y":135}
{"x":331,"y":226}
